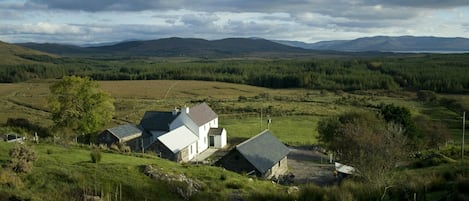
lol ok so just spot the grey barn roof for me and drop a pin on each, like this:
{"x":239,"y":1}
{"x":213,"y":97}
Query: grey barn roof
{"x":124,"y":131}
{"x":202,"y":114}
{"x":157,"y":120}
{"x":263,"y":151}
{"x":215,"y":131}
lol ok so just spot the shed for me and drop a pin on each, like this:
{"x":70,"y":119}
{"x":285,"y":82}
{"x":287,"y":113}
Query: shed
{"x":127,"y":134}
{"x":217,"y":137}
{"x":262,"y":155}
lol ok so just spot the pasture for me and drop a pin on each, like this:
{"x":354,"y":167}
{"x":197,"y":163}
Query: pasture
{"x":294,"y":112}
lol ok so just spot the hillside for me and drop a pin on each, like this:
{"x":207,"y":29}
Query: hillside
{"x":67,"y":173}
{"x":389,"y":44}
{"x":59,"y":49}
{"x":12,"y":54}
{"x":192,"y":47}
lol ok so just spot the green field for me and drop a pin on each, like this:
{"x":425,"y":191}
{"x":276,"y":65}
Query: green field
{"x":63,"y":172}
{"x":294,"y":112}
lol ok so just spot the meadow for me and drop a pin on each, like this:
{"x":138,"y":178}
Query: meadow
{"x":65,"y":172}
{"x":294,"y":113}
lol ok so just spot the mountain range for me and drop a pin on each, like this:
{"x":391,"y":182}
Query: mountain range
{"x":388,"y":44}
{"x":229,"y":47}
{"x":175,"y":47}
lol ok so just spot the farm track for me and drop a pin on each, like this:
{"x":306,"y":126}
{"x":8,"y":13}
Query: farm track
{"x":28,"y":106}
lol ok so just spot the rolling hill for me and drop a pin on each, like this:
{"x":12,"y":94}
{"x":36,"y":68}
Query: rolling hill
{"x":13,"y":54}
{"x":176,"y":47}
{"x":389,"y":44}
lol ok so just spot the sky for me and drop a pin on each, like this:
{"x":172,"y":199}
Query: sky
{"x":101,"y":21}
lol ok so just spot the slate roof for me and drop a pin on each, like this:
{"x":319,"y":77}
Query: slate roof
{"x":215,"y":131}
{"x":263,"y":151}
{"x":157,"y":120}
{"x":178,"y":139}
{"x":125,"y":131}
{"x":202,"y":114}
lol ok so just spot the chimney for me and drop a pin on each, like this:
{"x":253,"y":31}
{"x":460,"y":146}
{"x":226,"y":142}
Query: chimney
{"x":175,"y":111}
{"x":185,"y":109}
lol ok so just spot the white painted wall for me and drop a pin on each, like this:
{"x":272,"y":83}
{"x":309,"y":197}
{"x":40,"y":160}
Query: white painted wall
{"x":203,"y":137}
{"x":220,"y":140}
{"x":201,"y":132}
{"x":192,"y":151}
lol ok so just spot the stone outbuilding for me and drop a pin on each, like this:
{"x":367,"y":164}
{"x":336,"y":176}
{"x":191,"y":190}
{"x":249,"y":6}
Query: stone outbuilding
{"x":262,"y":155}
{"x":125,"y":134}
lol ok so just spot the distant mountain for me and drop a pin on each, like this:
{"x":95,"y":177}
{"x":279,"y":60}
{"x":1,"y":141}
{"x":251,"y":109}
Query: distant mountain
{"x":59,"y":49}
{"x":11,"y":54}
{"x":176,"y":47}
{"x":388,"y":44}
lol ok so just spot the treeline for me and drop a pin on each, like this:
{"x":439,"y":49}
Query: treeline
{"x":439,"y":73}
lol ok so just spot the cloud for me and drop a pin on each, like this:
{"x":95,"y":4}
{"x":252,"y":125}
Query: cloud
{"x":437,"y":4}
{"x":86,"y":21}
{"x":108,"y":5}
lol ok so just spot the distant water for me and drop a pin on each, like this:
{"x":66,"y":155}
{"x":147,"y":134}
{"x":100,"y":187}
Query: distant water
{"x":433,"y":52}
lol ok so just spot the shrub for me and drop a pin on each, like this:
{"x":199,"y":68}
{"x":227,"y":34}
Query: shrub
{"x":223,"y":177}
{"x":95,"y":156}
{"x":10,"y":179}
{"x":234,"y":185}
{"x":22,"y":158}
{"x":49,"y":151}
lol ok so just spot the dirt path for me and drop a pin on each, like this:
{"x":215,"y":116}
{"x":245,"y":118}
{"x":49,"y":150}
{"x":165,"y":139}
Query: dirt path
{"x":310,"y":166}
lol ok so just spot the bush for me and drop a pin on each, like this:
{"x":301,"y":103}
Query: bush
{"x":10,"y":179}
{"x":95,"y":156}
{"x":49,"y":151}
{"x":22,"y":158}
{"x":234,"y":185}
{"x":223,"y":177}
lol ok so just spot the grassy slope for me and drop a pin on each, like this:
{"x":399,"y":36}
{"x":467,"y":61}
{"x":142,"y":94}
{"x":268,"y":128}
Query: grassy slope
{"x":9,"y":54}
{"x":294,"y":112}
{"x":71,"y":171}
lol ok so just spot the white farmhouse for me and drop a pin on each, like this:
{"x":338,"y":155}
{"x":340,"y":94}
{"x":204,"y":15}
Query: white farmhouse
{"x":182,"y":135}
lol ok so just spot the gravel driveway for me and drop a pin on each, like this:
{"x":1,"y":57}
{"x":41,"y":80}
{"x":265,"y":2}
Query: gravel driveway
{"x":309,"y":166}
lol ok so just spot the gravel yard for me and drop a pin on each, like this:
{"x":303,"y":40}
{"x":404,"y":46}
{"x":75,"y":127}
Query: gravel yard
{"x":309,"y":166}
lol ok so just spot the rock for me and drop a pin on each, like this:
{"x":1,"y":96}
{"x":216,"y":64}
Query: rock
{"x":293,"y":189}
{"x":183,"y":186}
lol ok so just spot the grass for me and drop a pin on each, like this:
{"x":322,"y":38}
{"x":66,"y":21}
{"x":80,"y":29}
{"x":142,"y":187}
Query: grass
{"x":65,"y":172}
{"x":294,"y":112}
{"x":9,"y":54}
{"x":292,"y":130}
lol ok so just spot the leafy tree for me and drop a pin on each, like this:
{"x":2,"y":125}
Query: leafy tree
{"x":402,"y":116}
{"x":77,"y":104}
{"x":365,"y":142}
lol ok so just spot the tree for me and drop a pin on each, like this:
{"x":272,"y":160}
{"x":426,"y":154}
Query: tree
{"x":366,"y":142}
{"x":400,"y":115}
{"x":78,"y":105}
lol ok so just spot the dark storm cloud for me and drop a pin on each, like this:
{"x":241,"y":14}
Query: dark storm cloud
{"x":421,"y":3}
{"x":292,"y":6}
{"x":108,"y":5}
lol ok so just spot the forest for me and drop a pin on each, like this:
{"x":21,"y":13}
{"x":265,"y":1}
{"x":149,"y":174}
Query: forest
{"x":435,"y":72}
